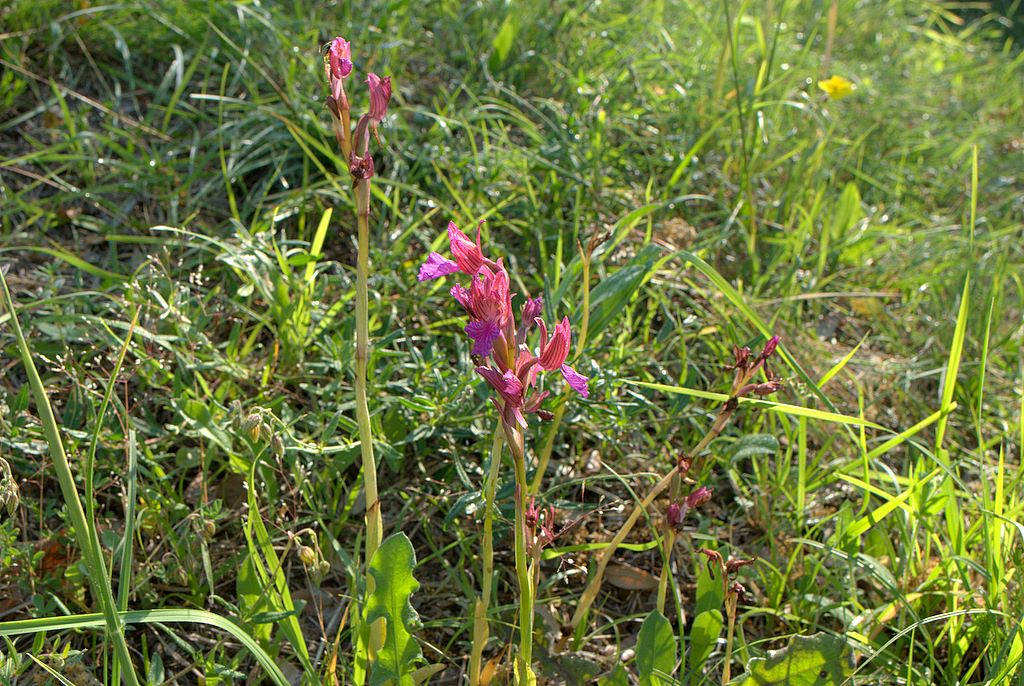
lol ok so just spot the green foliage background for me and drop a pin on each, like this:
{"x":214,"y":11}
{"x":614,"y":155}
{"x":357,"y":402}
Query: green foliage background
{"x":175,"y":158}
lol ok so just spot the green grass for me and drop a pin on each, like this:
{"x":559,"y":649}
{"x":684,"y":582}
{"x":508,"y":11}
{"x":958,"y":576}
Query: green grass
{"x":175,"y":159}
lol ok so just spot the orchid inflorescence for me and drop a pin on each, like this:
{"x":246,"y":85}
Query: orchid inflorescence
{"x":504,"y":359}
{"x":338,"y":65}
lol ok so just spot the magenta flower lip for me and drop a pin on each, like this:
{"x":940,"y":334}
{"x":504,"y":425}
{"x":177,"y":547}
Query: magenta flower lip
{"x":340,"y":58}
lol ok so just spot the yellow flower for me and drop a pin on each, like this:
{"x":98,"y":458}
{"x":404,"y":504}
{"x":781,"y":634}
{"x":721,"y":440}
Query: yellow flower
{"x":837,"y":87}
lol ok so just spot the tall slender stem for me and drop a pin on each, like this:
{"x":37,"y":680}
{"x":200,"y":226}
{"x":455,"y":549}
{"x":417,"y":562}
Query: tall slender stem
{"x":523,"y":573}
{"x":86,"y":534}
{"x":666,"y":570}
{"x":730,"y":609}
{"x":480,"y":628}
{"x":374,"y":524}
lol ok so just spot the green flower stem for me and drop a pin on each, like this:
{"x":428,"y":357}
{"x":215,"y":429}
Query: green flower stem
{"x":374,"y":524}
{"x":480,"y":626}
{"x":730,"y":610}
{"x":669,"y":542}
{"x":86,"y":535}
{"x":605,"y":556}
{"x":523,"y":572}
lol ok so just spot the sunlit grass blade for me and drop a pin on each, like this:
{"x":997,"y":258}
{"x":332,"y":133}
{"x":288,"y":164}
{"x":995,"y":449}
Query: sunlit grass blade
{"x":772,"y":406}
{"x":159,"y":616}
{"x":85,"y":530}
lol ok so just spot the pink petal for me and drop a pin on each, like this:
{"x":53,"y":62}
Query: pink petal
{"x":437,"y":266}
{"x":576,"y":381}
{"x":461,"y":294}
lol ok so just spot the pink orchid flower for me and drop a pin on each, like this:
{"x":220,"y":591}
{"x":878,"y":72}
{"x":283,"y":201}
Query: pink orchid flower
{"x":469,"y":256}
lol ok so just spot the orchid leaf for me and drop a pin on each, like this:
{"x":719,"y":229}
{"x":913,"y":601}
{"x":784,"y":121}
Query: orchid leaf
{"x":818,"y":660}
{"x":392,"y":568}
{"x":656,"y":650}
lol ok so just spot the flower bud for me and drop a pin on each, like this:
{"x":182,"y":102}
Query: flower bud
{"x":674,"y":516}
{"x":324,"y":568}
{"x":277,"y":445}
{"x":698,"y":497}
{"x":251,"y":426}
{"x":307,"y":556}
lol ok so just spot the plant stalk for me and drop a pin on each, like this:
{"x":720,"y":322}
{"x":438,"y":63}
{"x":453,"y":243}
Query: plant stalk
{"x":730,"y":609}
{"x":86,"y":534}
{"x":669,"y":542}
{"x":524,"y":671}
{"x":374,"y":524}
{"x":481,"y":630}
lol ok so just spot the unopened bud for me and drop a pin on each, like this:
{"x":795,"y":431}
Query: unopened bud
{"x":209,"y":529}
{"x":684,"y":463}
{"x":324,"y":568}
{"x":277,"y":445}
{"x":760,"y":389}
{"x":698,"y":497}
{"x":674,"y":516}
{"x":307,"y":556}
{"x":251,"y":426}
{"x":770,"y":347}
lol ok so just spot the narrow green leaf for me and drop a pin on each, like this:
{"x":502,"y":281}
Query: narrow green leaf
{"x":505,"y":38}
{"x":656,"y":650}
{"x":783,"y":408}
{"x":841,"y":364}
{"x":392,"y":567}
{"x":611,"y":295}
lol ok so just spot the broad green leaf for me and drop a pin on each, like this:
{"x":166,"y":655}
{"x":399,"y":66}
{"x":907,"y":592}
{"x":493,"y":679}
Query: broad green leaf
{"x":251,"y":598}
{"x":656,"y":649}
{"x":616,"y":677}
{"x":818,"y":660}
{"x":392,"y":568}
